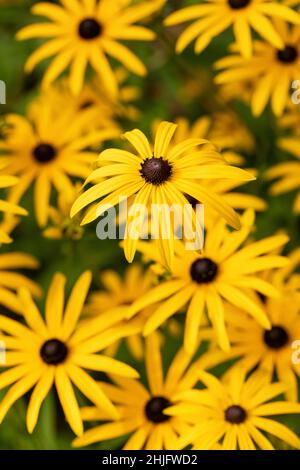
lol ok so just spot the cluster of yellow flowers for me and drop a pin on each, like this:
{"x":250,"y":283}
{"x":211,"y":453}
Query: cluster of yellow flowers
{"x":239,"y":296}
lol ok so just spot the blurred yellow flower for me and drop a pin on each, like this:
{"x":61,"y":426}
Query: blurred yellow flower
{"x":213,"y":17}
{"x":83,"y":32}
{"x":142,"y":409}
{"x":271,"y":69}
{"x":234,"y":412}
{"x":56,"y":351}
{"x":99,"y":109}
{"x":270,"y":350}
{"x":202,"y":281}
{"x":37,"y":150}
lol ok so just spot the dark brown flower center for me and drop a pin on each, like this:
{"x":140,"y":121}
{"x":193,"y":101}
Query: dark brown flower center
{"x":287,"y":55}
{"x":276,"y":337}
{"x":89,"y":29}
{"x":203,"y":270}
{"x":54,"y":351}
{"x":44,"y":153}
{"x":235,"y":414}
{"x":86,"y":104}
{"x":154,"y":409}
{"x":237,"y":4}
{"x":156,"y":170}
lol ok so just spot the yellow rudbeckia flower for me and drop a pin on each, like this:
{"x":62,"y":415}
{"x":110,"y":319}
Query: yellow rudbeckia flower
{"x":271,"y":70}
{"x":55,"y":351}
{"x":235,"y":412}
{"x":271,"y":350}
{"x":83,"y":32}
{"x":223,"y":271}
{"x":37,"y":150}
{"x":142,"y":409}
{"x":94,"y":102}
{"x":215,"y":16}
{"x":160,"y":175}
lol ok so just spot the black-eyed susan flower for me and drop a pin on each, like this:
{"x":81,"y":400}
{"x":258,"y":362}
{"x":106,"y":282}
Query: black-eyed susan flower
{"x":213,"y":17}
{"x":37,"y":150}
{"x":142,"y":409}
{"x":236,"y":412}
{"x":271,"y":69}
{"x":201,"y":281}
{"x":122,"y":292}
{"x":161,"y":176}
{"x":55,"y":351}
{"x":270,"y":350}
{"x":285,"y":175}
{"x":84,"y":32}
{"x":11,"y":280}
{"x":94,"y":95}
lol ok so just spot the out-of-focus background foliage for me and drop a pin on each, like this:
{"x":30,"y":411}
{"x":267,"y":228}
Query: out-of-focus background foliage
{"x":176,"y":85}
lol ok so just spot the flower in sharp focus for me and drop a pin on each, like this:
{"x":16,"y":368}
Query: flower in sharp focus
{"x":271,"y":69}
{"x":235,"y":412}
{"x":55,"y":351}
{"x":213,"y":17}
{"x":141,"y":408}
{"x":122,"y":292}
{"x":158,"y":175}
{"x":11,"y":281}
{"x":222,"y":271}
{"x":36,"y":150}
{"x":84,"y":32}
